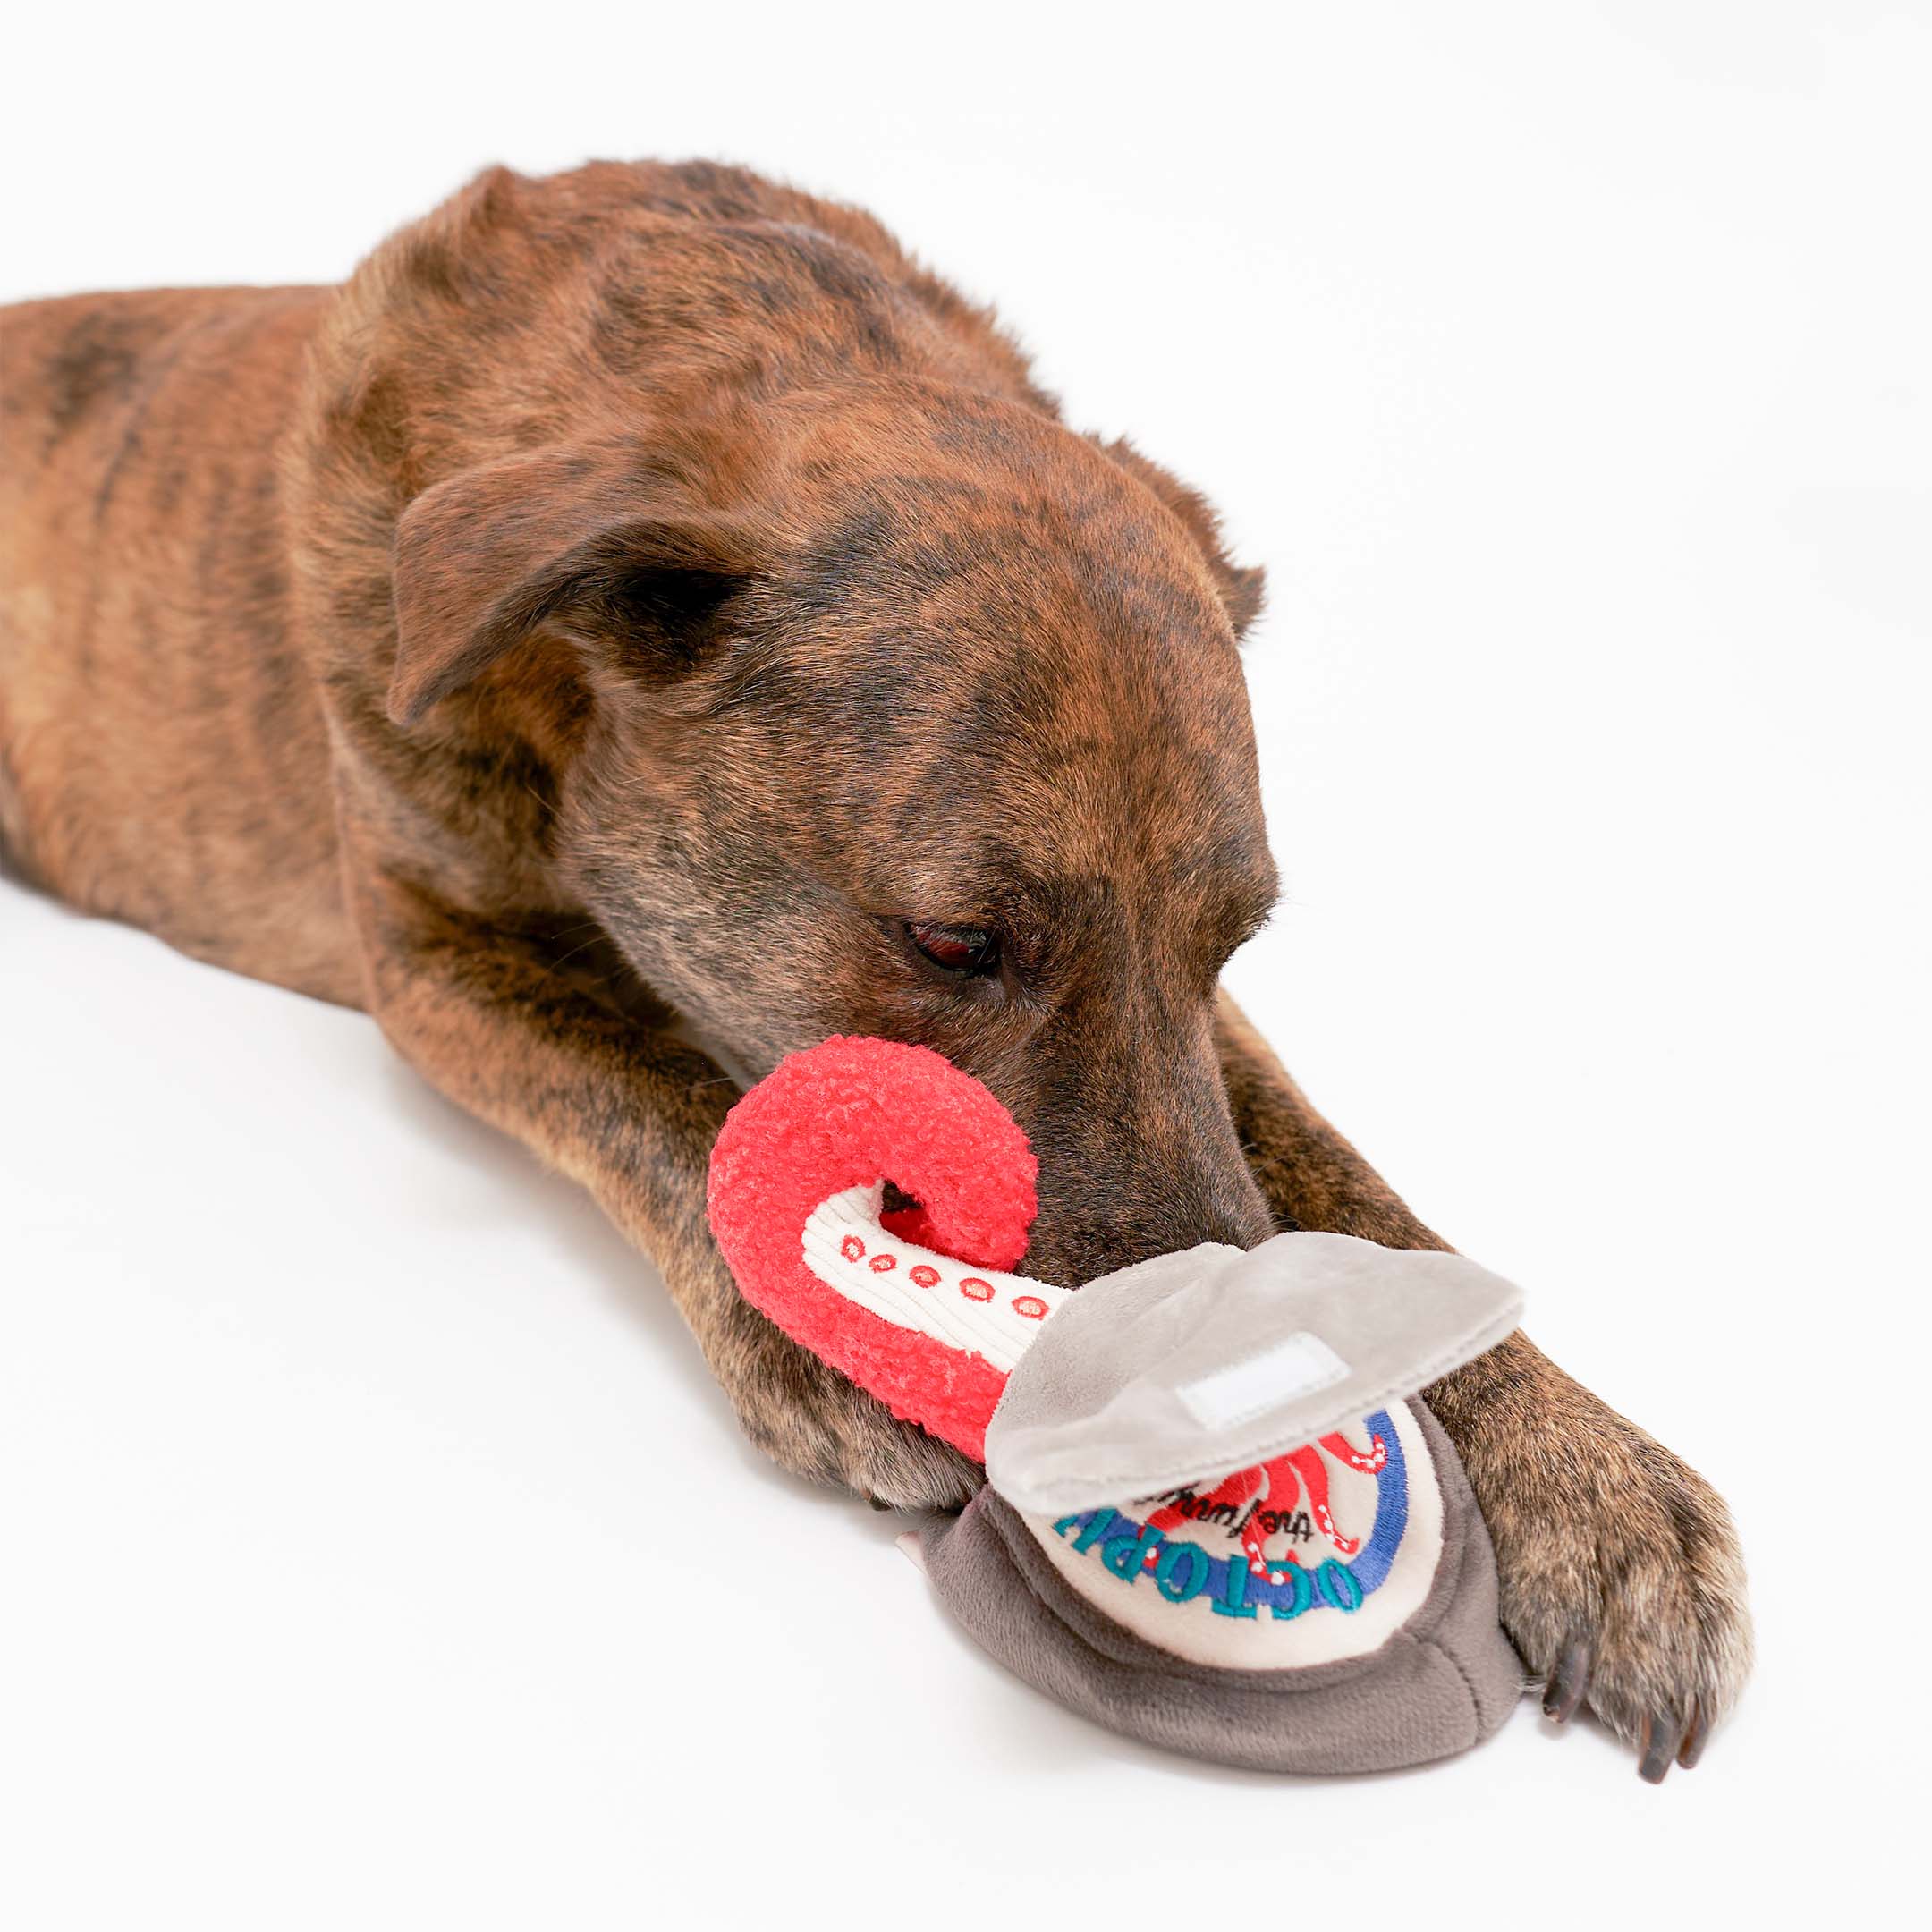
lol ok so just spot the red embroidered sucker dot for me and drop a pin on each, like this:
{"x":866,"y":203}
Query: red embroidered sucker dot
{"x":923,"y":1275}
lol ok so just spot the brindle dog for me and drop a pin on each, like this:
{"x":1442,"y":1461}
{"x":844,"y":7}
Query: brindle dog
{"x":643,"y":607}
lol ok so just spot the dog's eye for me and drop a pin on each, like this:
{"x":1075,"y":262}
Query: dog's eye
{"x":960,"y":949}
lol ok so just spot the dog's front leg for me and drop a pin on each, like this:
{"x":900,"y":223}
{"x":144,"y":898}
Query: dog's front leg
{"x":1622,"y":1584}
{"x":630,"y":1113}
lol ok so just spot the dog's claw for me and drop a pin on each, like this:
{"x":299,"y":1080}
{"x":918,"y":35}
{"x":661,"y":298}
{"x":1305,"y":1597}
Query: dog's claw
{"x":1619,"y":1570}
{"x":1697,"y":1733}
{"x":1663,"y":1735}
{"x":1567,"y":1683}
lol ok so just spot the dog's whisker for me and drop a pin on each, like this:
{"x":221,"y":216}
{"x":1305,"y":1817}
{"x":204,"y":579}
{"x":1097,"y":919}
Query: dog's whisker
{"x":574,"y":951}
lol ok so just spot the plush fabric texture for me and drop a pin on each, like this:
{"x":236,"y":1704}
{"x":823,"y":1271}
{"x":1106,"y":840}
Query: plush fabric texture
{"x":1443,"y":1681}
{"x":1194,"y":1365}
{"x":854,"y":1113}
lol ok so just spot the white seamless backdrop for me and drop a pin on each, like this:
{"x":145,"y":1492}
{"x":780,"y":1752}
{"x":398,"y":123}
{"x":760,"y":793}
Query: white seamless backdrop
{"x":373,"y":1548}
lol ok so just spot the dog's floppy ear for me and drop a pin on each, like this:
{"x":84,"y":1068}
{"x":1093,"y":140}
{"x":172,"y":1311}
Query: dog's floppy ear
{"x":582,"y":542}
{"x":1241,"y":589}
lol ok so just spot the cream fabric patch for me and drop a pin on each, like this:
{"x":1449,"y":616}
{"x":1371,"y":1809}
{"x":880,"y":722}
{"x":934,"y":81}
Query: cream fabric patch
{"x":1347,"y":1557}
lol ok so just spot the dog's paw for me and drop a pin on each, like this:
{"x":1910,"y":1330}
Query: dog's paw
{"x":1622,"y":1585}
{"x":810,"y":1419}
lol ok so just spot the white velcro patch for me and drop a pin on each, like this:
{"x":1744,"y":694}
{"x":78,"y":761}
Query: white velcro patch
{"x":1297,"y":1365}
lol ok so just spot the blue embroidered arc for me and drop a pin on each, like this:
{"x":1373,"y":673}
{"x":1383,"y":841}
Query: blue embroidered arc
{"x":1301,"y":1589}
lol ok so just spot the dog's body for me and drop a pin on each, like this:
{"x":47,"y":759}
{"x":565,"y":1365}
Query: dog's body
{"x":642,"y":606}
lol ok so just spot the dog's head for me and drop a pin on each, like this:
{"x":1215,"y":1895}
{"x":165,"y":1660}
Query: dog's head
{"x":903,"y":711}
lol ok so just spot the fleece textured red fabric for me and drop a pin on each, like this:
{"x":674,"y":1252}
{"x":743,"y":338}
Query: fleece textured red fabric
{"x":846,"y":1114}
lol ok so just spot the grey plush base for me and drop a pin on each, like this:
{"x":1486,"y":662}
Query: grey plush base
{"x":1444,"y":1681}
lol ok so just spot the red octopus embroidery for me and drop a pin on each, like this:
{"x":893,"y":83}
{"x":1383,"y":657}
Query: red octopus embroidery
{"x":1279,"y":1483}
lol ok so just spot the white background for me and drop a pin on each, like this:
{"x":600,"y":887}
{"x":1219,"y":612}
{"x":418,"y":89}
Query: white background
{"x":1567,"y":366}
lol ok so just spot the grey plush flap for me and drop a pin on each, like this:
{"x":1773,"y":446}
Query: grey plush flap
{"x":1196,"y":1364}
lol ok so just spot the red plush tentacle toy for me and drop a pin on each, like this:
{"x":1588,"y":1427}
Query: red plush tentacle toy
{"x":847,"y":1117}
